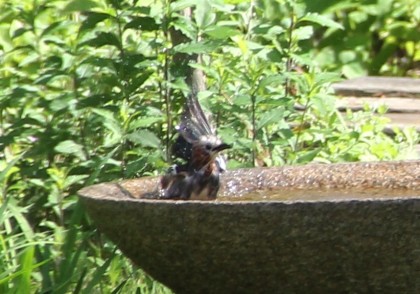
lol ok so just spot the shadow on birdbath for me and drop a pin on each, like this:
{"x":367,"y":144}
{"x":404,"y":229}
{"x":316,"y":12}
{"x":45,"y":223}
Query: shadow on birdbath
{"x":300,"y":229}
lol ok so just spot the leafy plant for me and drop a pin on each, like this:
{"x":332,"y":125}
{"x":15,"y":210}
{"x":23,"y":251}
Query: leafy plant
{"x":379,"y":37}
{"x":91,"y":91}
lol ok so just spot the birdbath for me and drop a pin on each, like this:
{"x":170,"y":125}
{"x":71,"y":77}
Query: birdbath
{"x":318,"y":228}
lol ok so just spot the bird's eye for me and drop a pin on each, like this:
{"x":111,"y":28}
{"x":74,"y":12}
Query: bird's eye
{"x":208,"y":147}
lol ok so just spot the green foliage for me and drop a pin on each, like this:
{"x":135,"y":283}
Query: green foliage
{"x":91,"y":91}
{"x":379,"y":37}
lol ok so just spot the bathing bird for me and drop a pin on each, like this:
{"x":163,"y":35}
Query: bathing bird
{"x":197,"y":144}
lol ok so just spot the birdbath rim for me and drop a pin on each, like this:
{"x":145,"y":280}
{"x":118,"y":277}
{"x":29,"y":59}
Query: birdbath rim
{"x":380,"y":176}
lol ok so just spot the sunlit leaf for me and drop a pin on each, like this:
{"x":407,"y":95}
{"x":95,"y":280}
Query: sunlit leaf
{"x":242,"y":100}
{"x":71,"y":147}
{"x":73,"y":179}
{"x":199,"y":47}
{"x":221,"y":32}
{"x":80,"y":5}
{"x":321,"y":20}
{"x":303,"y":33}
{"x":270,"y":117}
{"x":144,"y":138}
{"x":204,"y":16}
{"x":144,"y":122}
{"x":182,"y":4}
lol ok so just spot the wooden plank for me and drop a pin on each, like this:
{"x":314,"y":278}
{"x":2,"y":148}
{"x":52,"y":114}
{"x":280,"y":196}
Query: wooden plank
{"x":379,"y":87}
{"x":418,"y":150}
{"x":403,"y":105}
{"x":404,"y":120}
{"x":400,"y":95}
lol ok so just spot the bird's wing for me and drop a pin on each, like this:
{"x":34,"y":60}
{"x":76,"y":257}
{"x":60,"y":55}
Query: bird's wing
{"x":198,"y":113}
{"x":194,"y":123}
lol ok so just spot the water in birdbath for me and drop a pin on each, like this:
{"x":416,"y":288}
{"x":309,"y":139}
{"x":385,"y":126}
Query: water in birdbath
{"x":319,"y":194}
{"x":322,"y":194}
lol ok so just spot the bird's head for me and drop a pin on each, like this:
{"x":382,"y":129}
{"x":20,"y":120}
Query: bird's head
{"x":205,"y":150}
{"x":211,"y":145}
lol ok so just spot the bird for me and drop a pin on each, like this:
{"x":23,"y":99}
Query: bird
{"x":198,"y":145}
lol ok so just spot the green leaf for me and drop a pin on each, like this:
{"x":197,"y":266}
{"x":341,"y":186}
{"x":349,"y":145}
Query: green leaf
{"x":102,"y":39}
{"x":308,"y":156}
{"x":270,"y":117}
{"x":325,"y":104}
{"x":120,"y":286}
{"x":270,"y":54}
{"x":99,"y":165}
{"x":144,"y":122}
{"x":20,"y":216}
{"x":388,"y":49}
{"x":106,"y":114}
{"x":354,"y":69}
{"x":26,"y":263}
{"x":53,"y":27}
{"x":242,"y":100}
{"x":144,"y":23}
{"x":80,"y":5}
{"x":221,"y":32}
{"x":358,"y":16}
{"x":182,"y":4}
{"x":139,"y":80}
{"x":92,"y":19}
{"x":144,"y":138}
{"x":62,"y":102}
{"x":115,"y":133}
{"x":3,"y":208}
{"x":204,"y":16}
{"x":303,"y":33}
{"x":70,"y":147}
{"x":72,"y":179}
{"x":199,"y":47}
{"x":98,"y":275}
{"x":186,"y":27}
{"x":19,"y":32}
{"x":277,"y":79}
{"x":136,"y":166}
{"x":117,"y":4}
{"x":327,"y":77}
{"x":321,"y":20}
{"x":10,"y":168}
{"x":94,"y":100}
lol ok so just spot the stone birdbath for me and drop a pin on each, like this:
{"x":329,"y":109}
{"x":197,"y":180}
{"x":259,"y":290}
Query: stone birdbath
{"x":336,"y":228}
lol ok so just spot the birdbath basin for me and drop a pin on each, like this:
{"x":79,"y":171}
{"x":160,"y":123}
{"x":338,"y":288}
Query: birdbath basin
{"x":339,"y":228}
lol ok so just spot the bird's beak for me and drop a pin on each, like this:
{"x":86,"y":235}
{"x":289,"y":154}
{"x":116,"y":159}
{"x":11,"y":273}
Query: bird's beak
{"x":221,"y":147}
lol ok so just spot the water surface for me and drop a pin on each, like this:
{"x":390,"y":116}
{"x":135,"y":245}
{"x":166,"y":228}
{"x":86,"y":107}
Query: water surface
{"x":323,"y":195}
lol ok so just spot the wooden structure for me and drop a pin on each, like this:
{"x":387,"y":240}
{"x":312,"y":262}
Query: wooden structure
{"x":400,"y":95}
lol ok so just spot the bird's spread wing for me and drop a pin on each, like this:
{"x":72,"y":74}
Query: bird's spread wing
{"x":197,"y":111}
{"x":194,"y":122}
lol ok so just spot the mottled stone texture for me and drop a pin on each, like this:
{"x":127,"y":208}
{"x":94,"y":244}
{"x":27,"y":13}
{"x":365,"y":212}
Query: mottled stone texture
{"x":344,"y":246}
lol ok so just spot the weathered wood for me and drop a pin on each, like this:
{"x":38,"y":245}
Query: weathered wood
{"x":401,"y":121}
{"x":400,"y":105}
{"x":379,"y":87}
{"x":400,"y":95}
